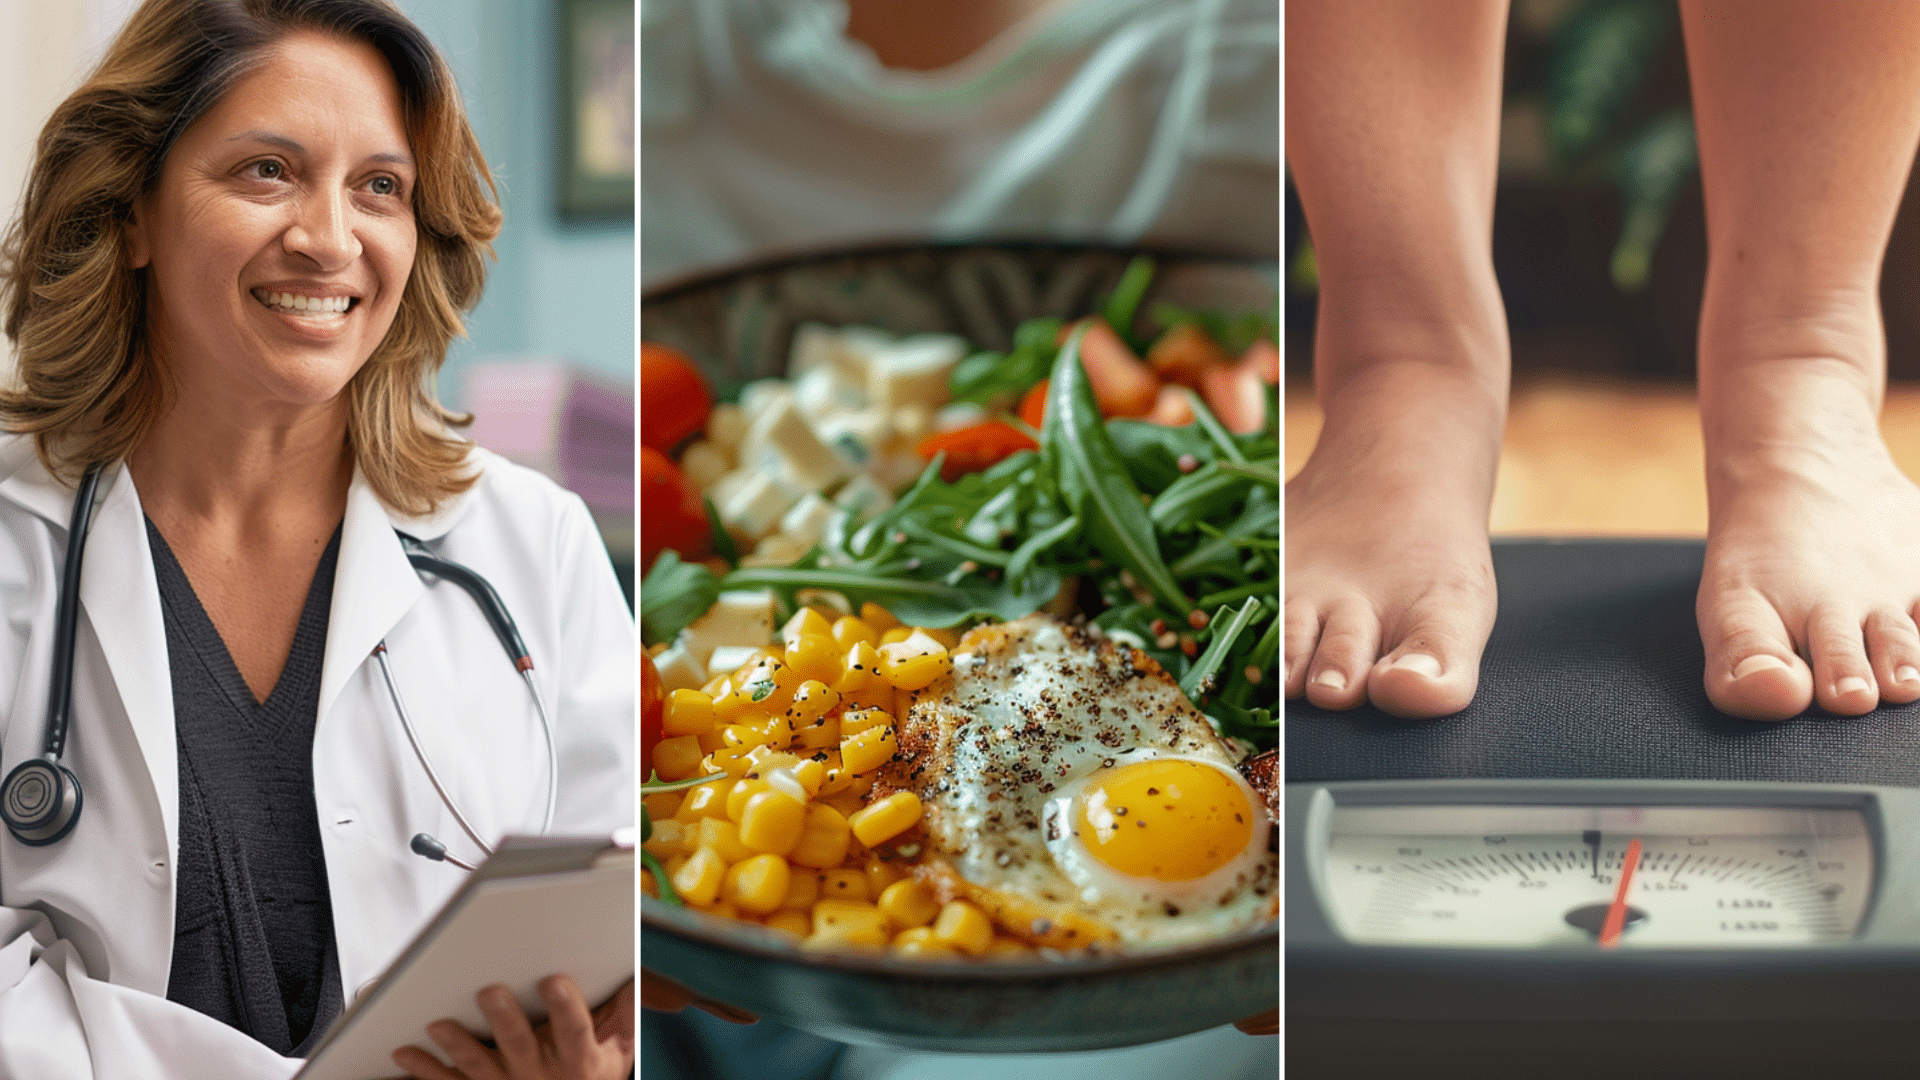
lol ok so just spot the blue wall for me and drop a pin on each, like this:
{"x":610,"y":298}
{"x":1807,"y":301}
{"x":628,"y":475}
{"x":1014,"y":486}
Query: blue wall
{"x":559,"y":289}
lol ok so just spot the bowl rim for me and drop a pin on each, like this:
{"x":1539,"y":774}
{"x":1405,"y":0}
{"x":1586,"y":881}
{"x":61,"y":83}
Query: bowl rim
{"x":695,"y":281}
{"x":710,"y":930}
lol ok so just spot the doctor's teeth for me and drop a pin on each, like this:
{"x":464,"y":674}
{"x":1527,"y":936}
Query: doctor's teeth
{"x":319,"y":305}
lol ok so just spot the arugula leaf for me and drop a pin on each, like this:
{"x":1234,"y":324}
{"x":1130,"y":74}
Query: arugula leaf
{"x":723,"y":544}
{"x":673,"y":595}
{"x":1094,"y":481}
{"x":1199,"y":677}
{"x":915,"y":601}
{"x":1120,"y":307}
{"x":1036,"y":545}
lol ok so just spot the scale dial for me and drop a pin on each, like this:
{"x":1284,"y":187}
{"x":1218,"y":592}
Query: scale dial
{"x":1546,"y":876}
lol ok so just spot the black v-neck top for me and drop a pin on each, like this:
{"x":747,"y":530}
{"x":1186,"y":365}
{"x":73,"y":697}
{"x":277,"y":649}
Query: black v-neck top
{"x":253,"y":924}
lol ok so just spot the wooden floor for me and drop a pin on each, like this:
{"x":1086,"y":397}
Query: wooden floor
{"x":1585,"y":457}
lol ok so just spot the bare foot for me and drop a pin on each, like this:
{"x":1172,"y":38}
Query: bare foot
{"x":1390,"y":592}
{"x":1812,"y":578}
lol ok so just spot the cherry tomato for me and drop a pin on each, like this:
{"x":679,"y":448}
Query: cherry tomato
{"x":1185,"y":353}
{"x":671,"y":514}
{"x":674,"y":401}
{"x":1033,"y":407}
{"x":1122,"y":383}
{"x":975,"y":448}
{"x":653,"y":704}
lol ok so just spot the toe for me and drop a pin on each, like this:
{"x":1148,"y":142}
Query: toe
{"x":1301,"y":634}
{"x":1434,"y":668}
{"x":1752,"y":671}
{"x":1349,"y":642}
{"x":1893,"y":646}
{"x":1843,"y":679}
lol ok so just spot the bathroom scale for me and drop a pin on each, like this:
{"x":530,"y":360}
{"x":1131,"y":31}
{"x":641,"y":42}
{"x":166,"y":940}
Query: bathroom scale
{"x":1591,"y":871}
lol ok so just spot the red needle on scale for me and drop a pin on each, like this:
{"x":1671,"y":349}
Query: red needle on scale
{"x":1617,"y":913}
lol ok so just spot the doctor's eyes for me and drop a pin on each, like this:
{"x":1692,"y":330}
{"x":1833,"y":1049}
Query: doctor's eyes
{"x":273,"y":170}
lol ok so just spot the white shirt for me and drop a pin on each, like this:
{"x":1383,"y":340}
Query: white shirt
{"x":86,"y":924}
{"x":764,"y":127}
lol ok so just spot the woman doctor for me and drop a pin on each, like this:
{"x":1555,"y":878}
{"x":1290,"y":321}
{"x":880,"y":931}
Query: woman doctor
{"x":245,"y":245}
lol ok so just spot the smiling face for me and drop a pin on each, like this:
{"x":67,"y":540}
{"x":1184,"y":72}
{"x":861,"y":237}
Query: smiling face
{"x":280,"y":237}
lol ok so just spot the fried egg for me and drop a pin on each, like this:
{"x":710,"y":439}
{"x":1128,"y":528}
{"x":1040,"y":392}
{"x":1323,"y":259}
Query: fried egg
{"x":1072,"y":790}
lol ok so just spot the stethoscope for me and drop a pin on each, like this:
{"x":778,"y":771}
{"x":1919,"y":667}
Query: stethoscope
{"x":40,"y":799}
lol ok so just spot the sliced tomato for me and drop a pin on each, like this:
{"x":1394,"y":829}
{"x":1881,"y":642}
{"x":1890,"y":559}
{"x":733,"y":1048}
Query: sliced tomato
{"x":1184,"y":353}
{"x":972,"y":449}
{"x":671,"y":514}
{"x":1171,"y":409}
{"x":674,"y":401}
{"x":1264,"y":359}
{"x":1123,"y":384}
{"x":1237,"y":396}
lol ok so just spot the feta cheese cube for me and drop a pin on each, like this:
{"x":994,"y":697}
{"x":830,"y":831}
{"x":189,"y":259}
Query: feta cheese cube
{"x":739,"y":617}
{"x":813,"y":463}
{"x":678,"y":669}
{"x":913,"y":371}
{"x":808,"y":517}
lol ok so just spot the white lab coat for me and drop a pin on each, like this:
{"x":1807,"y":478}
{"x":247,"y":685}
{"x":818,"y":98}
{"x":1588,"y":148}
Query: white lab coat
{"x":86,"y":925}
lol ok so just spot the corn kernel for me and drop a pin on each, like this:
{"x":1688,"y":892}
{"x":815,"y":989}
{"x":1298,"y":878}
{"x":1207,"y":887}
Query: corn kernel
{"x":742,"y":737}
{"x":823,"y":838}
{"x":822,"y":734}
{"x":805,"y":621}
{"x":719,"y":686}
{"x":706,"y":801}
{"x":776,"y":732}
{"x":838,"y":923}
{"x":672,"y":865}
{"x":877,"y":617}
{"x":811,"y":774}
{"x":868,"y":750}
{"x":721,"y":909}
{"x":812,"y":701}
{"x":908,"y":903}
{"x":895,"y":636}
{"x":903,"y":702}
{"x":795,"y":923}
{"x":843,"y":883}
{"x":855,"y":721}
{"x":765,"y":759}
{"x":698,"y":879}
{"x":948,"y":639}
{"x":859,"y":786}
{"x":803,"y":888}
{"x":742,"y":791}
{"x":880,"y":874}
{"x":768,"y":685}
{"x":687,"y":712}
{"x":886,"y":819}
{"x":757,"y":884}
{"x":786,"y":783}
{"x":919,"y":942}
{"x":915,"y":662}
{"x":662,"y":805}
{"x":772,"y":822}
{"x":816,"y":657}
{"x":848,"y":629}
{"x":732,"y":760}
{"x":711,"y":741}
{"x":963,"y":926}
{"x":670,"y":838}
{"x":877,"y":695}
{"x":677,"y":758}
{"x":723,"y":839}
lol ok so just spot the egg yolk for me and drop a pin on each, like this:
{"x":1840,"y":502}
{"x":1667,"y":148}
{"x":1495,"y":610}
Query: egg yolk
{"x":1169,"y":820}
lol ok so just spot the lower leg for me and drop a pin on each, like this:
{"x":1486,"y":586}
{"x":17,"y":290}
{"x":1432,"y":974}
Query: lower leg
{"x":1808,"y":116}
{"x":1392,"y":135}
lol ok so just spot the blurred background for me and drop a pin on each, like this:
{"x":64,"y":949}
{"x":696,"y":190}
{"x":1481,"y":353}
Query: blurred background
{"x":548,"y":365}
{"x":1599,"y":241}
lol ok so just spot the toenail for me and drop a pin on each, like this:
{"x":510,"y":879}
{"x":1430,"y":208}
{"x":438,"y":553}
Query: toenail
{"x":1331,"y":679}
{"x":1906,"y":674}
{"x":1419,"y":663}
{"x":1751,"y":664}
{"x":1852,"y":684}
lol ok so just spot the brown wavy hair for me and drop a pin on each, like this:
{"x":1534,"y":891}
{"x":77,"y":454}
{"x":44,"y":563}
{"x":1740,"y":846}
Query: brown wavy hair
{"x":87,"y":388}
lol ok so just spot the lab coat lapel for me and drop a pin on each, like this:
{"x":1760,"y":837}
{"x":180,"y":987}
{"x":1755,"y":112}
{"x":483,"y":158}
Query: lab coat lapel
{"x":373,"y":588}
{"x":120,"y":601}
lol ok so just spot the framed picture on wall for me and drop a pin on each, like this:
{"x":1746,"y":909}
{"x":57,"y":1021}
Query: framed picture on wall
{"x":596,"y":110}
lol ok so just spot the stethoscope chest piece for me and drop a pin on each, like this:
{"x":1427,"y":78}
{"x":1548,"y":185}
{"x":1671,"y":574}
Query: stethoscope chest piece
{"x":40,"y":802}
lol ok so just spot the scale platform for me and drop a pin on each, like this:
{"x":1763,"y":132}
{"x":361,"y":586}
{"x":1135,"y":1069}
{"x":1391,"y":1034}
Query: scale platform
{"x":1454,"y":888}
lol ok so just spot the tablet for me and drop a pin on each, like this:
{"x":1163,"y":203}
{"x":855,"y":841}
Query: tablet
{"x":539,"y":906}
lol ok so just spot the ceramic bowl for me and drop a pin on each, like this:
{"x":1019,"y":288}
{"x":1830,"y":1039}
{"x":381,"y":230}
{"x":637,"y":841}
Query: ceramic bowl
{"x":737,"y":325}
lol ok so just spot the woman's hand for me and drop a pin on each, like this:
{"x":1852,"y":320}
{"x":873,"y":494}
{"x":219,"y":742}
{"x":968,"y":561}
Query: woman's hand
{"x":574,"y":1043}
